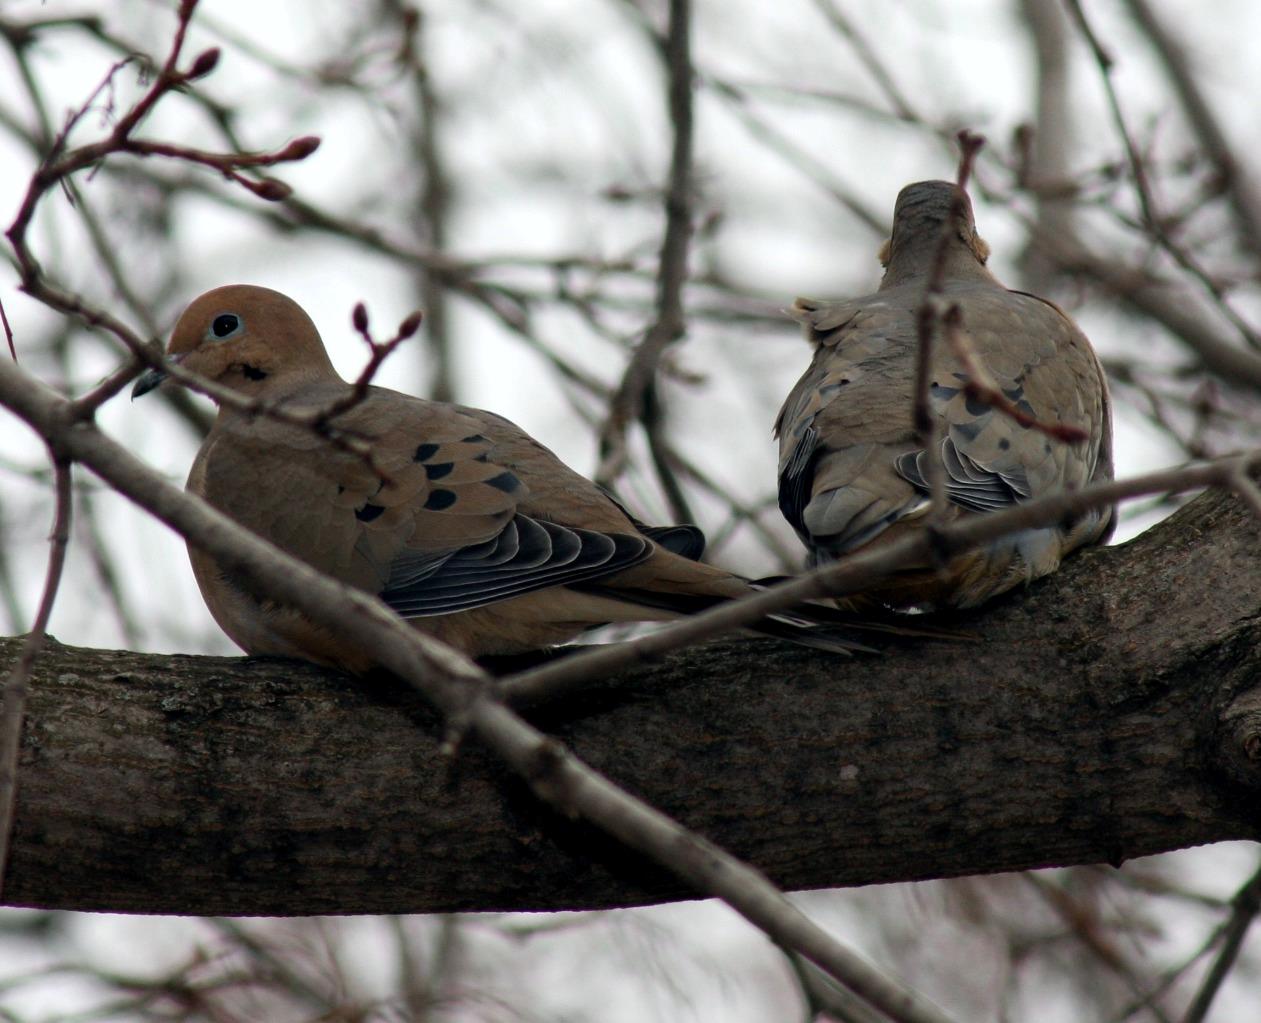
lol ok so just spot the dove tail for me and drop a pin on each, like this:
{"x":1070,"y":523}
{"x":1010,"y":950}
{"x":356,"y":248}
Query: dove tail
{"x":820,"y":626}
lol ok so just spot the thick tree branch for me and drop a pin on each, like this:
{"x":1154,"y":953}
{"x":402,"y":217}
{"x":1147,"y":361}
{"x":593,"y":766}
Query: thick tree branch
{"x":461,"y":692}
{"x":1110,"y":712}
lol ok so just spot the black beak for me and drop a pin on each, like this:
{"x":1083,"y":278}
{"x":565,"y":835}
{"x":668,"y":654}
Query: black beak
{"x":147,"y":381}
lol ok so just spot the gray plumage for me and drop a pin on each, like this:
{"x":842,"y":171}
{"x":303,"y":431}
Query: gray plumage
{"x":851,"y":472}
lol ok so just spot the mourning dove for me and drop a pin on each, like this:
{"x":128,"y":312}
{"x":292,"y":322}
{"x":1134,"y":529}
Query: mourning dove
{"x":459,"y":521}
{"x":851,"y":474}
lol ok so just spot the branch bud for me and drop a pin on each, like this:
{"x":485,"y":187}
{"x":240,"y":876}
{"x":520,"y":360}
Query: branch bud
{"x":271,"y":190}
{"x":360,"y":318}
{"x":410,"y":325}
{"x":203,"y":65}
{"x":299,"y":149}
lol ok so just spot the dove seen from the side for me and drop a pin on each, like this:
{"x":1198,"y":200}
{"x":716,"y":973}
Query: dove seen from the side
{"x":454,"y":517}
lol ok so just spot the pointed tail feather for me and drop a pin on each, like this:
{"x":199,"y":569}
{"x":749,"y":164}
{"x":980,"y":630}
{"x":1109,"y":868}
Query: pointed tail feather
{"x":820,"y":626}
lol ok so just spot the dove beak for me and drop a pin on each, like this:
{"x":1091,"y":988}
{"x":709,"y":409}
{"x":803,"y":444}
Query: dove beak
{"x":147,"y":381}
{"x":150,"y":379}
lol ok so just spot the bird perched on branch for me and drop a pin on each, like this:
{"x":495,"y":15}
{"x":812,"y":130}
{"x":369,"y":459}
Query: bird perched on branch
{"x":1015,"y":395}
{"x":454,"y":517}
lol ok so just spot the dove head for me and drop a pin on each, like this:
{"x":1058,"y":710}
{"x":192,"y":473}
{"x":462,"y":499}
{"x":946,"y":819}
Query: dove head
{"x":247,"y":338}
{"x":920,"y":215}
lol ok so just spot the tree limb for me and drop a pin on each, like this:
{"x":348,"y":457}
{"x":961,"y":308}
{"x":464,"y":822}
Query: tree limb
{"x":1109,"y":712}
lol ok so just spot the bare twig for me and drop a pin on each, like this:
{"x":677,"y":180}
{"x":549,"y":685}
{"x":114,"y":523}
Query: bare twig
{"x":1083,"y":922}
{"x":8,"y":333}
{"x":321,"y":421}
{"x":927,"y":318}
{"x":15,"y":686}
{"x":1239,"y":185}
{"x":983,"y":388}
{"x":826,"y":999}
{"x":60,"y":164}
{"x":861,"y":570}
{"x":1246,"y":905}
{"x":817,"y":170}
{"x":1047,"y":149}
{"x":629,"y":401}
{"x":435,"y":195}
{"x":1182,"y":315}
{"x":1152,"y":220}
{"x":665,"y":460}
{"x":1245,"y":489}
{"x":866,"y":53}
{"x":739,"y":512}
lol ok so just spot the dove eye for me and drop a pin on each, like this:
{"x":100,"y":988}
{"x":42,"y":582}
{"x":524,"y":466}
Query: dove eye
{"x":225,"y":325}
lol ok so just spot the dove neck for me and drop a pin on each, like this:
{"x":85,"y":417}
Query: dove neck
{"x":271,"y":383}
{"x":915,"y":262}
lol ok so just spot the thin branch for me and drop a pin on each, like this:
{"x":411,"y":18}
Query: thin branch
{"x":863,"y":49}
{"x":861,"y":570}
{"x":15,"y":686}
{"x":630,"y":399}
{"x":1086,"y":927}
{"x":665,"y":460}
{"x":1246,"y":490}
{"x":60,"y":163}
{"x":321,"y":422}
{"x":8,"y":332}
{"x":740,"y":512}
{"x":827,"y":999}
{"x":1184,"y":317}
{"x":983,"y":388}
{"x":435,"y":200}
{"x":1238,"y":184}
{"x":1152,"y":221}
{"x":800,"y":157}
{"x":87,"y":524}
{"x":927,"y":317}
{"x":1246,"y":905}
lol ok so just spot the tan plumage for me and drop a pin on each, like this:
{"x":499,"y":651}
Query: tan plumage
{"x":462,"y":523}
{"x":851,"y":474}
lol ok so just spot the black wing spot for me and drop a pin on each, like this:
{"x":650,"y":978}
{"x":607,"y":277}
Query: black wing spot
{"x":1003,"y":443}
{"x":439,"y":500}
{"x":425,"y":452}
{"x":975,"y":406}
{"x":369,"y":512}
{"x":475,"y":438}
{"x":437,"y":470}
{"x":969,"y":430}
{"x":506,"y":482}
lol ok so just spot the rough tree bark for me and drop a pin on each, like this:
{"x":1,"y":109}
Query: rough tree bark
{"x":1111,"y":711}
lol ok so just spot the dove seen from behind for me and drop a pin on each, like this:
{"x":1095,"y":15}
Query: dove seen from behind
{"x":851,"y":472}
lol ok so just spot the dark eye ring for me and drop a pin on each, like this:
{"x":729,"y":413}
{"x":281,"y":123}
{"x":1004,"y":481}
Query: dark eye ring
{"x":225,"y":325}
